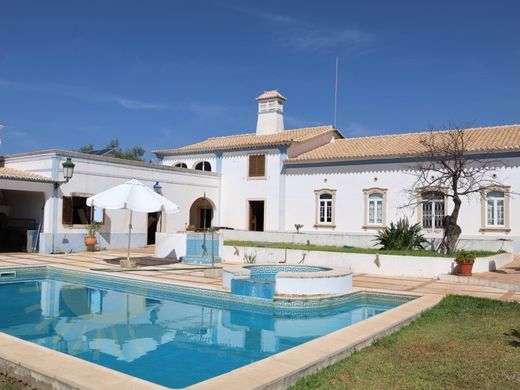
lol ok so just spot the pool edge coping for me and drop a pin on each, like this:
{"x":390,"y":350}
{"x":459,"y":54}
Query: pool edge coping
{"x":49,"y":369}
{"x":280,"y":370}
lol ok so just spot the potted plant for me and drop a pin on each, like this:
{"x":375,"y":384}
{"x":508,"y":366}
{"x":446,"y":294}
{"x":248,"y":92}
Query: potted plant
{"x":465,"y":260}
{"x":90,"y":239}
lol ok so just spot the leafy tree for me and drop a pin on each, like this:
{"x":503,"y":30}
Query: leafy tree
{"x":86,"y":148}
{"x":134,"y":153}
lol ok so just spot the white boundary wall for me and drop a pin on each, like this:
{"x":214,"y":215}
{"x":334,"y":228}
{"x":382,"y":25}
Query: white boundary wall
{"x":377,"y":264}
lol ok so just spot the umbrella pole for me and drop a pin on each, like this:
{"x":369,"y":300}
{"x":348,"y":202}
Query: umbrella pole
{"x":129,"y":237}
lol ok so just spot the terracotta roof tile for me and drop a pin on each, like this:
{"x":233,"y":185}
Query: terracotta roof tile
{"x":234,"y":142}
{"x":18,"y":174}
{"x":484,"y":139}
{"x":270,"y":95}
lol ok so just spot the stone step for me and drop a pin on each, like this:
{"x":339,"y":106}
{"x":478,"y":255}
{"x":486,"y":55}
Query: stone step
{"x":485,"y":282}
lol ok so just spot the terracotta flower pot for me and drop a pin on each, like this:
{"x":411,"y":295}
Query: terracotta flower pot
{"x":464,"y":268}
{"x":90,"y":241}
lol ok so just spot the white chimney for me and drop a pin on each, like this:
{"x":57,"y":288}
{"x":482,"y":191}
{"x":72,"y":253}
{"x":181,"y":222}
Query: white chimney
{"x":270,"y":113}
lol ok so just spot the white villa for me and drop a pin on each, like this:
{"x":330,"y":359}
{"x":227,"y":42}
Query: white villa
{"x":267,"y":181}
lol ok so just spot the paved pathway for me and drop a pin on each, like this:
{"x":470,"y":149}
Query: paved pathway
{"x":148,"y":267}
{"x":151,"y":268}
{"x":432,"y":286}
{"x":506,"y":278}
{"x":509,"y":274}
{"x":502,"y":284}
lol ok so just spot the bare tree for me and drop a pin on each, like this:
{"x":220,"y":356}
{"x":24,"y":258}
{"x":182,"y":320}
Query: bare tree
{"x":446,"y":163}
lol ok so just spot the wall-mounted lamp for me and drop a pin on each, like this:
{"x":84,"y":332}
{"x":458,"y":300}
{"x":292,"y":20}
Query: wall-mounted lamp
{"x":68,"y":172}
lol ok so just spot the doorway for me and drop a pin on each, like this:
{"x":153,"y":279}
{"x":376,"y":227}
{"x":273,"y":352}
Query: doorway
{"x":205,"y":217}
{"x":256,"y":215}
{"x":202,"y":212}
{"x":21,"y":219}
{"x":153,"y":220}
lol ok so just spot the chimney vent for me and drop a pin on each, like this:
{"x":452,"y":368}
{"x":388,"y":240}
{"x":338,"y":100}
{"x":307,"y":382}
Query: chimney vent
{"x":270,"y":113}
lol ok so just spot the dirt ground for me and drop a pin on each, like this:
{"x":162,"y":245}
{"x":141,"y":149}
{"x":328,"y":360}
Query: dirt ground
{"x":10,"y":383}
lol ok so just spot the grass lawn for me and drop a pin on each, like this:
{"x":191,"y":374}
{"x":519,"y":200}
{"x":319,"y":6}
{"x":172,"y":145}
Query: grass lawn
{"x":463,"y":343}
{"x":330,"y":248}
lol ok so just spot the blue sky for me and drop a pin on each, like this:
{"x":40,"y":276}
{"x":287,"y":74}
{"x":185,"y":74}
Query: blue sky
{"x":164,"y":73}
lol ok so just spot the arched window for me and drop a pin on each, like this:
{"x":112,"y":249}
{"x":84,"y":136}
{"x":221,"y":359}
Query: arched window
{"x":181,"y":165}
{"x":495,"y":208}
{"x":432,"y":209}
{"x":325,"y":207}
{"x":203,"y":166}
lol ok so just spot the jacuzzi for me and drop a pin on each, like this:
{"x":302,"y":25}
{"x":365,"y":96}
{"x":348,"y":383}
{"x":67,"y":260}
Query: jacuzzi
{"x":271,"y":280}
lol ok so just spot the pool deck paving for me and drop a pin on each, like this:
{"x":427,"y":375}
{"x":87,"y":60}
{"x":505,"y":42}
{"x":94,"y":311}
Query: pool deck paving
{"x":27,"y":360}
{"x":497,"y":285}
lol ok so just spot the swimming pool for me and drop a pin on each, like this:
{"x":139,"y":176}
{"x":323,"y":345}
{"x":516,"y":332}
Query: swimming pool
{"x":173,"y":336}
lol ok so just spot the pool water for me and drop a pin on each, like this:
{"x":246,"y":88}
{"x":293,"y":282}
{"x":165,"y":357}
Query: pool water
{"x":168,"y":341}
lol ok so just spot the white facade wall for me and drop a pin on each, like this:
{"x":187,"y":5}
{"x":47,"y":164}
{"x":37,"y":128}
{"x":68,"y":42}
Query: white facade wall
{"x":182,"y":188}
{"x":238,"y":189}
{"x":92,"y":176}
{"x":349,"y":181}
{"x":289,"y":194}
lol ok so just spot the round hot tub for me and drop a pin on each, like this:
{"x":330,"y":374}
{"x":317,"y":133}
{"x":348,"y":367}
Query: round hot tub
{"x":270,"y":280}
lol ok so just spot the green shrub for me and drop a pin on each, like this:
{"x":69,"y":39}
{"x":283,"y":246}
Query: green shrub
{"x":249,"y":258}
{"x":463,"y":255}
{"x":92,"y":228}
{"x":401,"y":236}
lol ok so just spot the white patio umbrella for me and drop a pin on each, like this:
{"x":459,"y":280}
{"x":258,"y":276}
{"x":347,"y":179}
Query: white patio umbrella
{"x":134,"y":196}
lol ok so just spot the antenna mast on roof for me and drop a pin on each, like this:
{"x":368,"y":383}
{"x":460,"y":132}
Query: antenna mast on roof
{"x":336,"y":93}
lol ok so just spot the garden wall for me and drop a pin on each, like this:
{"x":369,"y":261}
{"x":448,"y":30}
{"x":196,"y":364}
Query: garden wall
{"x":378,"y":264}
